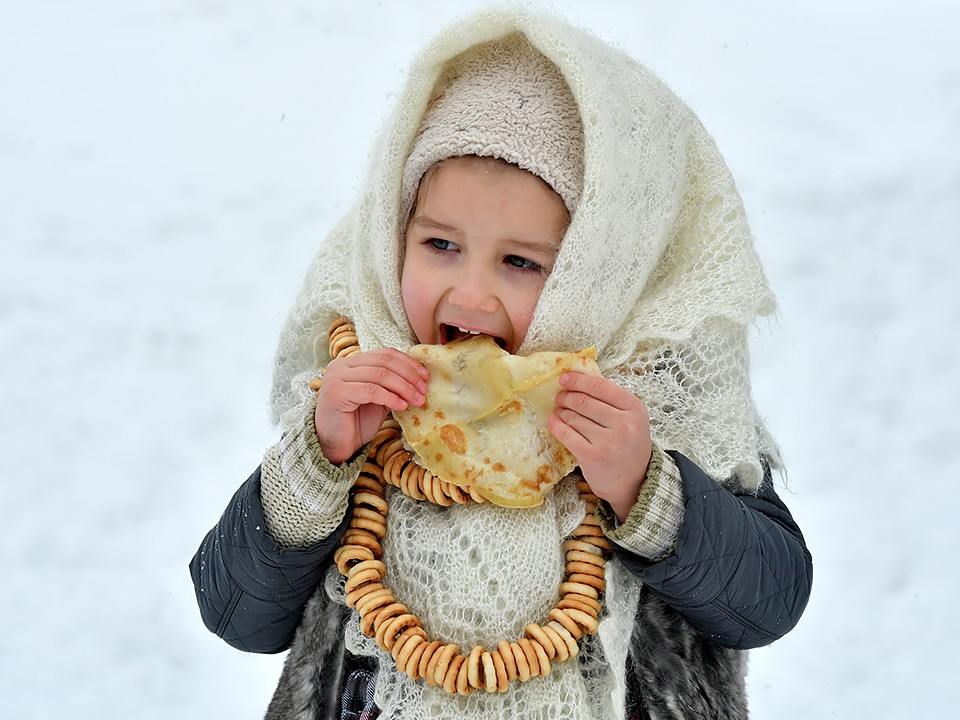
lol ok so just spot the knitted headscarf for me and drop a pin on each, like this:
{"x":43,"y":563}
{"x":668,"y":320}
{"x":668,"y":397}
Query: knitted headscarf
{"x":657,"y":268}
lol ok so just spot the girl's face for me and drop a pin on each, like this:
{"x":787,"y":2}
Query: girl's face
{"x":478,"y":249}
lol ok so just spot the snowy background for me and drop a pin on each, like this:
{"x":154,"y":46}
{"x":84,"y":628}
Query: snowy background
{"x":167,"y":168}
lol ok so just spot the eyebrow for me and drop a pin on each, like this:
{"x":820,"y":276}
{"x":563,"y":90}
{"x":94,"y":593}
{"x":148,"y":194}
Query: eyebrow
{"x":426,"y":222}
{"x":546,"y":247}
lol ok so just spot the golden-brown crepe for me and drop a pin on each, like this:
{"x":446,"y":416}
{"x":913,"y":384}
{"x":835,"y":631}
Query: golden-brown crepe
{"x":484,"y":422}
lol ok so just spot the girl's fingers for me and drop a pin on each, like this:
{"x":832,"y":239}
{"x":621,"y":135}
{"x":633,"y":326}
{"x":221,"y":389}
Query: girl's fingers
{"x":584,"y":426}
{"x":571,"y":439}
{"x":403,"y":378}
{"x":401,"y":362}
{"x":599,"y":388}
{"x":394,"y":360}
{"x":587,"y":406}
{"x":348,"y":395}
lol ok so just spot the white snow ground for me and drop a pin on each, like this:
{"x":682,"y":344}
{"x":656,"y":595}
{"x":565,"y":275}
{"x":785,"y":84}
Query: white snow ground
{"x":168,"y":166}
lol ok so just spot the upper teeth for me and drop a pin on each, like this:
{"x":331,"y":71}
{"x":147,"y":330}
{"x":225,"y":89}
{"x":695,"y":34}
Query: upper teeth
{"x":472,"y":332}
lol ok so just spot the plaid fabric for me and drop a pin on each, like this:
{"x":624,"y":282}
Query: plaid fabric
{"x":357,"y":702}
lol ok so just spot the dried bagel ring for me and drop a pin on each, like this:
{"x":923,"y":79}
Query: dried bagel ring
{"x":382,"y":617}
{"x":598,"y":540}
{"x":367,"y":513}
{"x":427,"y":488}
{"x":366,"y":483}
{"x":347,"y":556}
{"x":587,"y":622}
{"x":582,"y":546}
{"x":391,"y":629}
{"x":449,"y":681}
{"x":339,"y":329}
{"x":388,"y":430}
{"x":371,"y":564}
{"x":509,"y":662}
{"x":455,"y":492}
{"x":531,"y":655}
{"x":379,"y":598}
{"x":582,"y":531}
{"x":376,"y":601}
{"x":474,"y":669}
{"x":374,"y":501}
{"x":475,"y":495}
{"x":444,"y":657}
{"x":410,"y":477}
{"x":356,"y":536}
{"x":535,"y":633}
{"x":489,"y":672}
{"x":561,"y":630}
{"x":463,"y":678}
{"x":392,"y":450}
{"x":574,"y":566}
{"x":361,"y":591}
{"x":586,"y":558}
{"x":561,"y":651}
{"x":377,"y":528}
{"x":443,"y":499}
{"x":542,"y":658}
{"x":406,"y":642}
{"x":594,"y":581}
{"x":423,"y":666}
{"x":500,"y":668}
{"x":362,"y":577}
{"x":340,"y":322}
{"x":520,"y":660}
{"x":590,"y":519}
{"x":579,"y":588}
{"x":558,"y":616}
{"x":580,"y":602}
{"x":411,"y":664}
{"x":584,"y":486}
{"x":340,"y":346}
{"x":373,"y":471}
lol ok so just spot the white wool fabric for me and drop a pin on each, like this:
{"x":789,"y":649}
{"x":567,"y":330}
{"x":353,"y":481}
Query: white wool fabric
{"x":471,"y":589}
{"x":504,"y":100}
{"x":657,"y":270}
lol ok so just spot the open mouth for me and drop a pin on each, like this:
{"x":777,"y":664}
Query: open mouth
{"x":450,"y":333}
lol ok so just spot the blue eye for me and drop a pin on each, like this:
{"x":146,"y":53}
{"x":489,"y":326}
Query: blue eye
{"x":440,"y":245}
{"x":522,"y":264}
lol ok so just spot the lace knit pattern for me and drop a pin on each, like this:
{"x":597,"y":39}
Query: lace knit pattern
{"x":657,"y":269}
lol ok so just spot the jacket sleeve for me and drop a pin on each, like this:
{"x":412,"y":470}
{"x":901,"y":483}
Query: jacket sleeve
{"x":741,"y":573}
{"x":251,"y":592}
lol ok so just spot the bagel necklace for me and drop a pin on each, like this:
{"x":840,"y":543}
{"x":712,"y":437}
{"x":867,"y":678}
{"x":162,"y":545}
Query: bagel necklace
{"x":399,"y":632}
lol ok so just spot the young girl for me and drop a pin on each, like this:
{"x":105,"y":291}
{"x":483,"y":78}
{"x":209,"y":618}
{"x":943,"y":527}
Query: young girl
{"x":539,"y":187}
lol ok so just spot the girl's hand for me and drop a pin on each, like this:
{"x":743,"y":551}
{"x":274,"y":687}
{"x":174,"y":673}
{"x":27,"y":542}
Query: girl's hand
{"x":356,"y":394}
{"x":608,"y":430}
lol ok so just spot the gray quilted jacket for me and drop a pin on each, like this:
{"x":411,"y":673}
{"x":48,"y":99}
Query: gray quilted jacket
{"x":740,"y":578}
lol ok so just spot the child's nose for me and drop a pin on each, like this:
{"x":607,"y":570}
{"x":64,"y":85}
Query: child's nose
{"x":473,"y":291}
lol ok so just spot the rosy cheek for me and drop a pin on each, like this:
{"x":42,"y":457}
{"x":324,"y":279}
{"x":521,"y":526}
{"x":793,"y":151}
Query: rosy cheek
{"x":527,"y":308}
{"x":419,"y":310}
